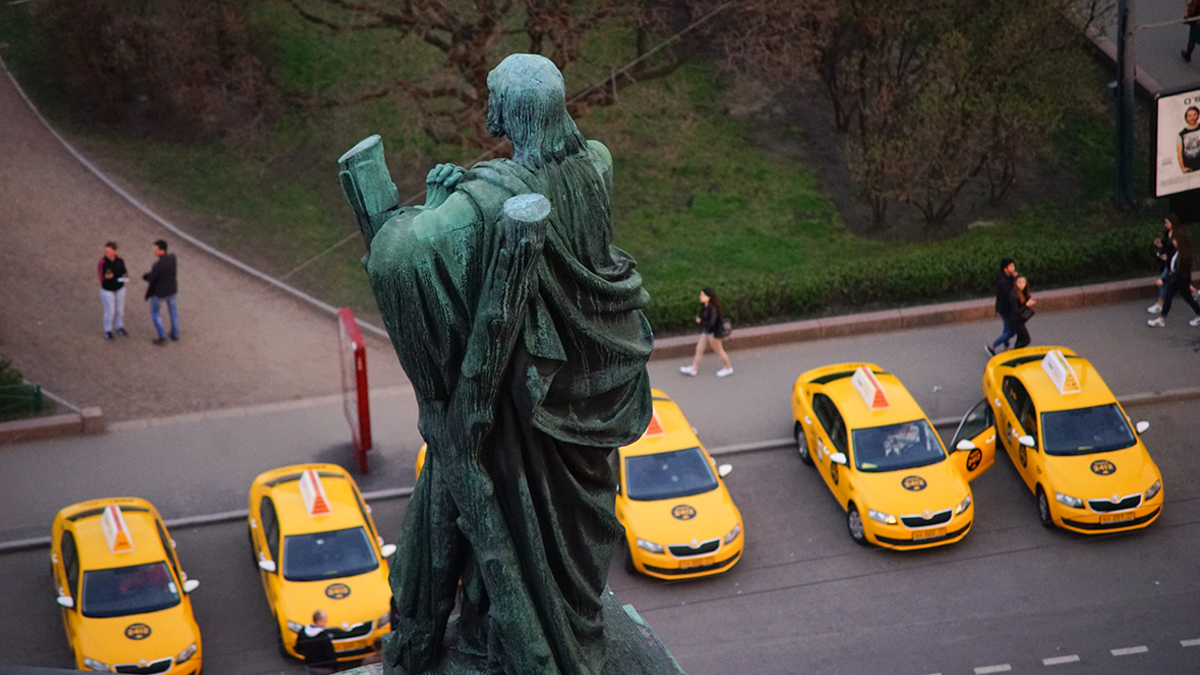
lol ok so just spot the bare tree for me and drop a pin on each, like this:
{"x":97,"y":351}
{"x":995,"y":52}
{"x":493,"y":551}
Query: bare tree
{"x":474,"y":35}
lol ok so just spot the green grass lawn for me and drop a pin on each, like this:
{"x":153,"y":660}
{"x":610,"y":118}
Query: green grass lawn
{"x":696,"y":203}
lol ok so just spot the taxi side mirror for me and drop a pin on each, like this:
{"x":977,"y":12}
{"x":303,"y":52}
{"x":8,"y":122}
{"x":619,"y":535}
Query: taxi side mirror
{"x":267,"y":566}
{"x":965,"y":444}
{"x":1142,"y":426}
{"x":66,"y":601}
{"x":724,"y":470}
{"x":1027,"y":441}
{"x":838,"y":458}
{"x":191,"y":585}
{"x":387,"y":550}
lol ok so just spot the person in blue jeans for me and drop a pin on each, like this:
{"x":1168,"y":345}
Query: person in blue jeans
{"x":1004,"y":285}
{"x":162,"y":287}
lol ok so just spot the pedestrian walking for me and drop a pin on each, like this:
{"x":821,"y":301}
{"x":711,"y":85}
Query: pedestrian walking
{"x":113,"y":277}
{"x":1163,"y":250}
{"x":1178,"y":280}
{"x":1021,"y":304}
{"x":315,"y":643}
{"x":162,"y":287}
{"x":1191,"y":12}
{"x":1004,"y":284}
{"x":714,"y":327}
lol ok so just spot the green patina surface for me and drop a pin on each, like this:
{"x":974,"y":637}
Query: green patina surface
{"x":521,"y":329}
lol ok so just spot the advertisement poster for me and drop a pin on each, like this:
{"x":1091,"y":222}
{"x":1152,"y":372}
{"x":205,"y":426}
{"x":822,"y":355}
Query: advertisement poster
{"x":1177,"y":143}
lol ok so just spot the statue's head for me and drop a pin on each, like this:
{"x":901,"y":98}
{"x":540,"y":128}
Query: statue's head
{"x":527,"y":103}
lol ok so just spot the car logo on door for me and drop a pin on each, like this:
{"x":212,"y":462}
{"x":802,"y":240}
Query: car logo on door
{"x":337,"y":591}
{"x":914,"y":483}
{"x":1103,"y":467}
{"x":137,"y":631}
{"x":683,"y":512}
{"x":974,"y":459}
{"x":833,"y":473}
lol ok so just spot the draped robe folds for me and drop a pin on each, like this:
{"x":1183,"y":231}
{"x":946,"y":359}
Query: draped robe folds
{"x":533,"y":547}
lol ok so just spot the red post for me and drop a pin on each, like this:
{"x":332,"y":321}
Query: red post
{"x":354,"y":385}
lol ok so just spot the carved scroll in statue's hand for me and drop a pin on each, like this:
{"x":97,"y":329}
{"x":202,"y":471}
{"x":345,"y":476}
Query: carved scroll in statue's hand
{"x":440,"y":184}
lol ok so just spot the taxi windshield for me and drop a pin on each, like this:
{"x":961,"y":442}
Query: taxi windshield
{"x":328,"y":555}
{"x":128,"y":590}
{"x":896,"y":446}
{"x":1083,"y":431}
{"x":667,"y":475}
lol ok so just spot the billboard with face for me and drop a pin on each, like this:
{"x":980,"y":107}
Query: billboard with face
{"x":1176,"y":153}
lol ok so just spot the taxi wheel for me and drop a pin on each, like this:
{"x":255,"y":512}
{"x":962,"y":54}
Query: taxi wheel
{"x":802,"y":444}
{"x":1044,"y":508}
{"x":854,"y":524}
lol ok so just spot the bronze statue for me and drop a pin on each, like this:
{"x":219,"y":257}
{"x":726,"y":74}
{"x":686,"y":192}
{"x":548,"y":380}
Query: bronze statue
{"x":522,"y":331}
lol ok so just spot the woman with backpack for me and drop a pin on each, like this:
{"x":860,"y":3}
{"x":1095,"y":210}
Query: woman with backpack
{"x":714,"y":327}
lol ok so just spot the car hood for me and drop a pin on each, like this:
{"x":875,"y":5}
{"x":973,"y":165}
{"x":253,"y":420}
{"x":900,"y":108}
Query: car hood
{"x":1103,"y":474}
{"x":128,"y":639}
{"x":701,"y":517}
{"x":912,"y":491}
{"x":349,"y":600}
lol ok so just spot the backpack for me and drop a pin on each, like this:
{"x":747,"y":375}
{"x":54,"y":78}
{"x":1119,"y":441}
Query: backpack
{"x":724,"y":328}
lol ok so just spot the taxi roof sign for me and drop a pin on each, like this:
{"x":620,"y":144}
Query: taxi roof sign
{"x":870,"y":389}
{"x":116,"y":532}
{"x":655,"y":428}
{"x":1061,"y":373}
{"x":313,"y":493}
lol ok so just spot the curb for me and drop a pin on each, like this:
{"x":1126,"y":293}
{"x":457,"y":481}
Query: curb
{"x":86,"y":421}
{"x":19,"y":545}
{"x":923,"y":316}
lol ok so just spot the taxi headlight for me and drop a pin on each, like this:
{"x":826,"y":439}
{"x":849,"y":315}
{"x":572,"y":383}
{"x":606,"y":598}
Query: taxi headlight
{"x":733,"y":534}
{"x":384,"y":620}
{"x":649,"y":546}
{"x":186,"y":653}
{"x":294,"y":627}
{"x":963,"y":505}
{"x":885,"y":518}
{"x":93,"y":664}
{"x":1073,"y":502}
{"x":1153,"y":491}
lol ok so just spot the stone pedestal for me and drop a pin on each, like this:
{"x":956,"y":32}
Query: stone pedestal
{"x":633,"y":649}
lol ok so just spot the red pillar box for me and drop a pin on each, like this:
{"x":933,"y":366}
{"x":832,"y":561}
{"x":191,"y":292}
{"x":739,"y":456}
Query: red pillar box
{"x":354,"y":385}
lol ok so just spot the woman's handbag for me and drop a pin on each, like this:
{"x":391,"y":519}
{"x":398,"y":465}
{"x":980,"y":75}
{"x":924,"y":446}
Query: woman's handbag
{"x":724,"y":328}
{"x":1025,"y":313}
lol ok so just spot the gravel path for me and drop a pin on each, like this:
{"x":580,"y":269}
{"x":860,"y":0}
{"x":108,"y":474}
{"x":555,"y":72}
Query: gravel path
{"x":243,"y":341}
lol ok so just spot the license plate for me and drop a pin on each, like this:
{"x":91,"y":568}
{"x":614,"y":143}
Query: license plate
{"x":351,"y":645}
{"x":929,"y":534}
{"x":1116,"y":517}
{"x":695,"y":562}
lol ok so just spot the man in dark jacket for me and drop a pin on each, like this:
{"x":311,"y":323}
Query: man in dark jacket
{"x":315,"y":644}
{"x":162,"y":286}
{"x":1004,"y":282}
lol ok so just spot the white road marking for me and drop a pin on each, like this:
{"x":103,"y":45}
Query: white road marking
{"x":1190,"y":643}
{"x":1002,"y":668}
{"x":1126,"y":651}
{"x":1057,"y":660}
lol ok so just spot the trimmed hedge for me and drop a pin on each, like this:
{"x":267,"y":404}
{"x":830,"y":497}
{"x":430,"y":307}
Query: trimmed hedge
{"x":913,"y":274}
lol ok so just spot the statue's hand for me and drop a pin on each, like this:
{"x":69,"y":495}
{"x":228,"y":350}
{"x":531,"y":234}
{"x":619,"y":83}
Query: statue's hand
{"x":440,"y":184}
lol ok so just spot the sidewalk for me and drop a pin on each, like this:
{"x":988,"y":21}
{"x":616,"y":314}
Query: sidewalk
{"x":243,"y":342}
{"x":204,"y":463}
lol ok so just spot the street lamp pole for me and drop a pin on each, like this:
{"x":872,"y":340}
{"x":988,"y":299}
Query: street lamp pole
{"x":1126,"y":83}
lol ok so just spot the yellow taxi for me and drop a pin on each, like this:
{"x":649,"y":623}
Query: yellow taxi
{"x":880,"y":456}
{"x":123,"y":595}
{"x":316,"y":547}
{"x":1071,"y":441}
{"x":679,"y":519}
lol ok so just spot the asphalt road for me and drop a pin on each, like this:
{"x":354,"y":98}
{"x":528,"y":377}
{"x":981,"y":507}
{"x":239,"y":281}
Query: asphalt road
{"x":804,"y":598}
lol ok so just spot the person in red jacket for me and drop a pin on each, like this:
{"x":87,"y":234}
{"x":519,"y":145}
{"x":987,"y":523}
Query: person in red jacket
{"x":113,"y":276}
